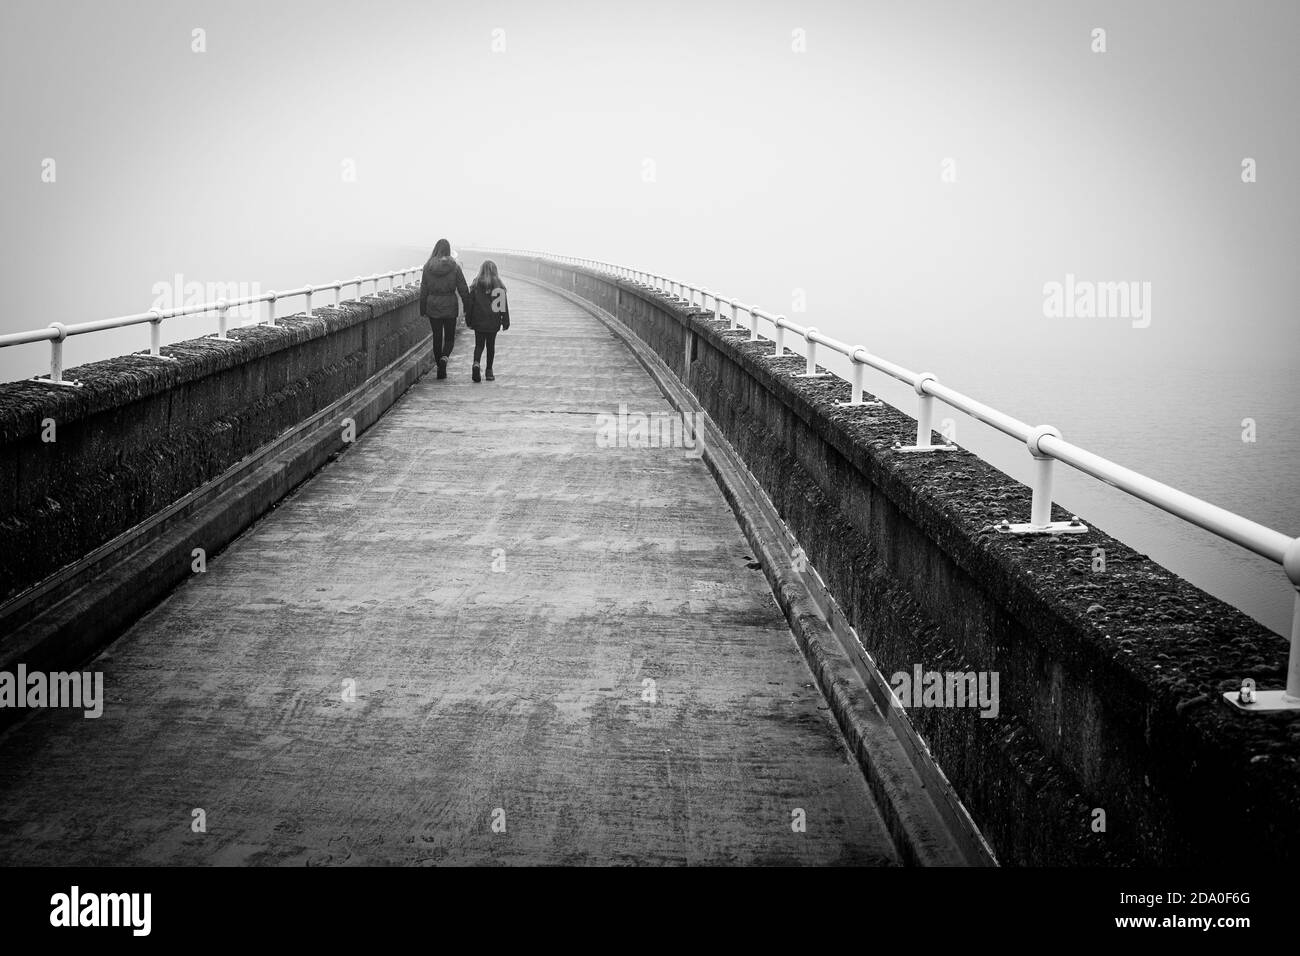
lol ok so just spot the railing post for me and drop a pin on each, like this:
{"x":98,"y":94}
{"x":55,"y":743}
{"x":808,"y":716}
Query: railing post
{"x":56,"y":353}
{"x":924,"y":412}
{"x":735,"y":323}
{"x":1040,"y":505}
{"x":924,"y":418}
{"x":717,"y":308}
{"x":1040,"y":508}
{"x":856,"y":386}
{"x":1291,"y":564}
{"x":155,"y":332}
{"x":222,"y":319}
{"x":358,"y":280}
{"x":309,"y":302}
{"x":753,"y":324}
{"x":810,"y":350}
{"x":270,"y":307}
{"x":779,"y":337}
{"x":338,"y":293}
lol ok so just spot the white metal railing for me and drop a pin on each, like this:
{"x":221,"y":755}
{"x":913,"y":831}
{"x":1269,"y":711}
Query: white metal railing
{"x":1044,"y":443}
{"x":56,"y":332}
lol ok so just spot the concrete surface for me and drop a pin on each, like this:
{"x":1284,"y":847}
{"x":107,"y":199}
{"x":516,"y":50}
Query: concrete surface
{"x":483,"y":697}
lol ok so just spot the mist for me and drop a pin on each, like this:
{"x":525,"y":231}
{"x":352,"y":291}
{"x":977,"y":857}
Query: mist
{"x":911,"y":176}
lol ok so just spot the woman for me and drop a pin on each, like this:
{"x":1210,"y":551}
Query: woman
{"x":441,"y":282}
{"x":488,"y":313}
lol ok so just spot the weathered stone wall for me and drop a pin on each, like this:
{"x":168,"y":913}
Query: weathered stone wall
{"x":1108,"y":681}
{"x":142,"y":433}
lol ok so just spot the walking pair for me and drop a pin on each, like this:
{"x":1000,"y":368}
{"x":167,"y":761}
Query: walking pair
{"x":486,"y":310}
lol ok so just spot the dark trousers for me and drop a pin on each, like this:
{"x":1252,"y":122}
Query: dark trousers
{"x":488,"y":340}
{"x":444,"y":336}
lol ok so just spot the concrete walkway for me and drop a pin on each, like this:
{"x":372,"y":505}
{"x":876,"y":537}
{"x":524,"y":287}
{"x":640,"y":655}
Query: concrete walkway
{"x":499,"y":589}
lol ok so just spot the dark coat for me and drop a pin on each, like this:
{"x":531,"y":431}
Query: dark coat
{"x":489,"y":310}
{"x":440,"y":284}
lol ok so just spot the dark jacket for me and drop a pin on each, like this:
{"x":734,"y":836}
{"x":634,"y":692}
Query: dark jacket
{"x":440,"y":284}
{"x":488,"y":311}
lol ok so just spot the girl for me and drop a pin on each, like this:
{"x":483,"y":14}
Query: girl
{"x":440,"y":285}
{"x":488,"y":312}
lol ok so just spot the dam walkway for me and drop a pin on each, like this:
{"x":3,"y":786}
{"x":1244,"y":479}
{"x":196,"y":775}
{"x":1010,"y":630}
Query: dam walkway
{"x":476,"y":636}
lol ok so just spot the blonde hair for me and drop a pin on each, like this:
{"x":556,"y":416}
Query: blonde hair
{"x":488,"y":278}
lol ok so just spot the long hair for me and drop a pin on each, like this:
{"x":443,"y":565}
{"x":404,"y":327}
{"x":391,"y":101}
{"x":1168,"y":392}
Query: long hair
{"x":441,"y":249}
{"x":488,"y":278}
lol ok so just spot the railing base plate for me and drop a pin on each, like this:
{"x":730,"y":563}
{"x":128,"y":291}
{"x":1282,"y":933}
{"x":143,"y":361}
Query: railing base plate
{"x":871,"y":404}
{"x":917,"y":449}
{"x":1266,"y":702}
{"x":67,"y":382}
{"x":1054,"y":527}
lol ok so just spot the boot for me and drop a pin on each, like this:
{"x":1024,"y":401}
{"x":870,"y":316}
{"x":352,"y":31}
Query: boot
{"x":442,"y":368}
{"x":489,"y":376}
{"x":474,"y":373}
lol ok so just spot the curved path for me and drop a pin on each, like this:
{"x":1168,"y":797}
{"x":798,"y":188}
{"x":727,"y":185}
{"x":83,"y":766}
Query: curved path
{"x":498,"y":590}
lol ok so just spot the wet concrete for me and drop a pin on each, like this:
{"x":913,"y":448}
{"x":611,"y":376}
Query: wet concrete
{"x":497,"y":589}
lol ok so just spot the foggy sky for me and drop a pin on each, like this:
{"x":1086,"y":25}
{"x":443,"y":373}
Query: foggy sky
{"x":774,"y":170}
